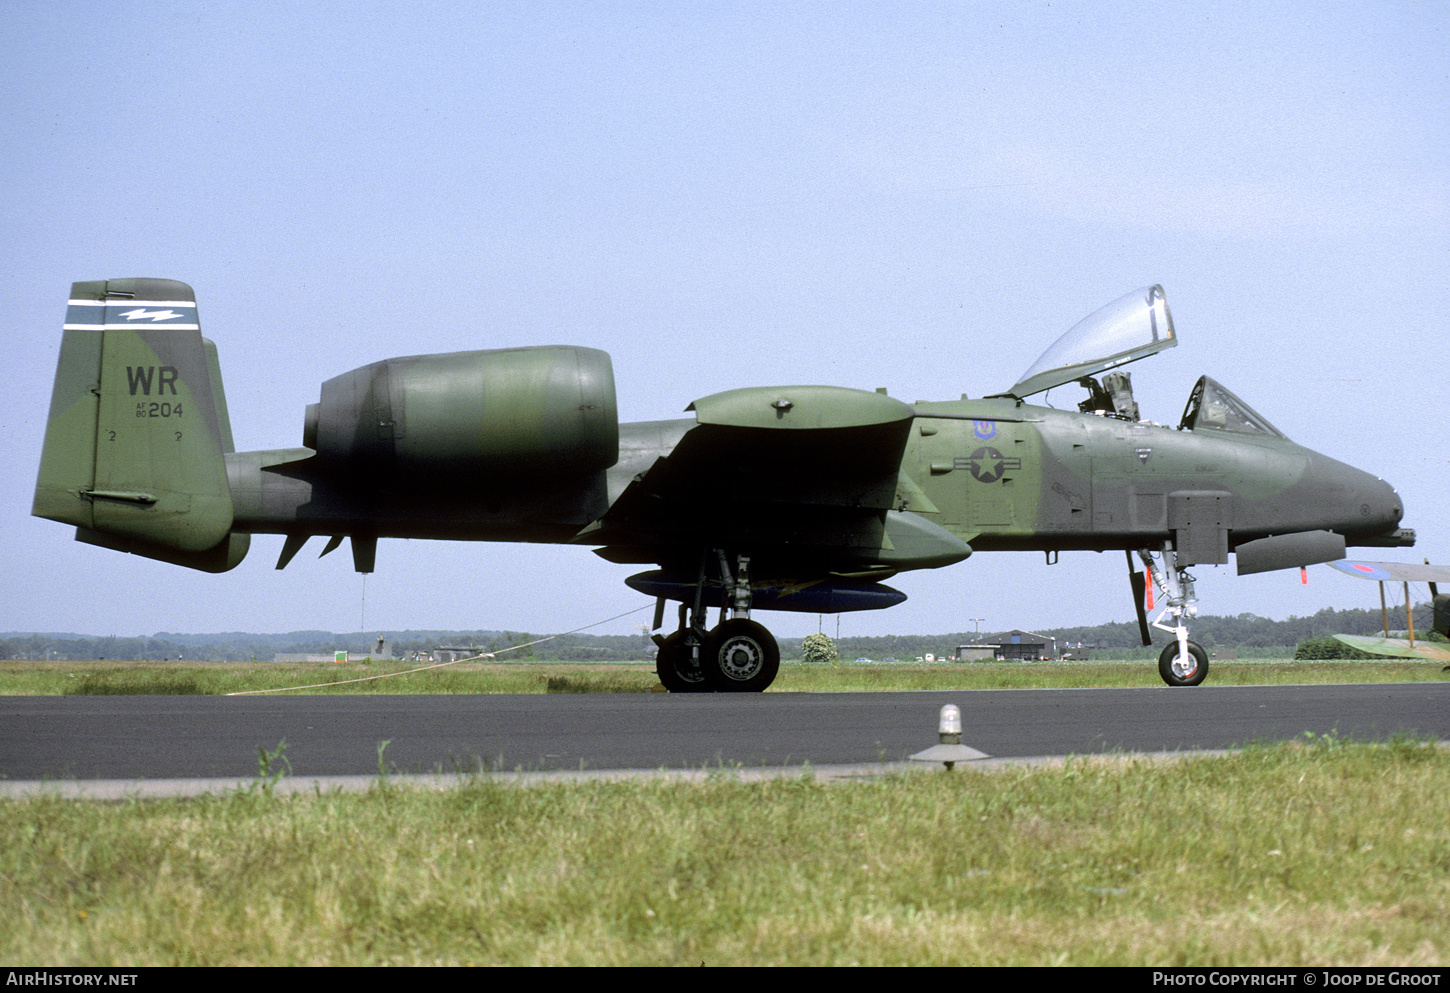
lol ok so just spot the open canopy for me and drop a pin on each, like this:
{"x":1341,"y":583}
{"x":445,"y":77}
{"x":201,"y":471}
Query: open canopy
{"x":1130,"y":328}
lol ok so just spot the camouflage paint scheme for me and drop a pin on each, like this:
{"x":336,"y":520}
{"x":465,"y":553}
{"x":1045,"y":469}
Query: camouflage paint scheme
{"x":1011,"y":477}
{"x":819,"y":491}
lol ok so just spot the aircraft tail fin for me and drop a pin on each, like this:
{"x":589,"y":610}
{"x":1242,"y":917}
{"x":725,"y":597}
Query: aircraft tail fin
{"x":135,"y":443}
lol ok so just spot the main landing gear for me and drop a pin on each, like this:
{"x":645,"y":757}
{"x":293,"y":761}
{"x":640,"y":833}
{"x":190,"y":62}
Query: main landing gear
{"x":1183,"y":662}
{"x":736,"y":656}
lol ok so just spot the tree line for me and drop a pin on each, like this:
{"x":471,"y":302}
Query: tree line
{"x":1240,"y":632}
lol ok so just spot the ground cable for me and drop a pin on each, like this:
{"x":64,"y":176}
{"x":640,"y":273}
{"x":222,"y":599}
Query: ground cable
{"x":439,"y":665}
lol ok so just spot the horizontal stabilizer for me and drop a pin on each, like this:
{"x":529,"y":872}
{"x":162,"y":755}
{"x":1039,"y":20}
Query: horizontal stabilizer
{"x":227,"y":554}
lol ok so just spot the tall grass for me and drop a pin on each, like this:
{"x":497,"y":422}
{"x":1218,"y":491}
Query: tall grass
{"x":1319,"y":853}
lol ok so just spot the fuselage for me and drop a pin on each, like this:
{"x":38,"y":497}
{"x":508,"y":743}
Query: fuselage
{"x":999,"y":474}
{"x":1014,"y":476}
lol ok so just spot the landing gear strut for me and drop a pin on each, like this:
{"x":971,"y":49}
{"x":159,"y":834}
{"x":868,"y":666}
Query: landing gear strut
{"x":736,"y":656}
{"x":1183,"y":662}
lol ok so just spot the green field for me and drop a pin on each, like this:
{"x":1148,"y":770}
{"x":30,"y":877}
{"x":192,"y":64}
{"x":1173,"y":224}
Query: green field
{"x":1320,"y":853}
{"x":19,"y":678}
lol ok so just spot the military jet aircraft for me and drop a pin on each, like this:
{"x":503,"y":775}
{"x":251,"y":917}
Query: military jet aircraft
{"x":771,"y":498}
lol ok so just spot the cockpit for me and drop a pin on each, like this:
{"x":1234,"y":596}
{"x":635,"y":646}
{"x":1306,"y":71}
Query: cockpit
{"x":1212,"y":407}
{"x":1130,"y":328}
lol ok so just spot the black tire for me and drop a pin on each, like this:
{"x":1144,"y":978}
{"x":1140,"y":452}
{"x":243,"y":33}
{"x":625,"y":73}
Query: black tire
{"x":1183,"y":675}
{"x":672,"y":665}
{"x":740,"y":656}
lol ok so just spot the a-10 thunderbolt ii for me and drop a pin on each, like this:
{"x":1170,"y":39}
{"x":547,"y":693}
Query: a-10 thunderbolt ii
{"x":769,"y":498}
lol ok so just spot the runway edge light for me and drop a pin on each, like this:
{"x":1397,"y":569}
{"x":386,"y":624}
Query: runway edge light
{"x":949,"y":750}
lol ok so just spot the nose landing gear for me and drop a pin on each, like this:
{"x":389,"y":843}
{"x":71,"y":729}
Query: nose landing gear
{"x":1183,"y":662}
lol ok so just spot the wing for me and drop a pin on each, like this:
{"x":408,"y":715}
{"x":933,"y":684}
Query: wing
{"x":1407,"y":572}
{"x":1397,"y":647}
{"x":804,"y":475}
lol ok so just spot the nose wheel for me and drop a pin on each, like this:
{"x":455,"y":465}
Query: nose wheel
{"x":1180,"y":668}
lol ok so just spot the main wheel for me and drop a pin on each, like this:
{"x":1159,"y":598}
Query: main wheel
{"x":672,"y":665}
{"x":1183,"y":670}
{"x":740,"y":656}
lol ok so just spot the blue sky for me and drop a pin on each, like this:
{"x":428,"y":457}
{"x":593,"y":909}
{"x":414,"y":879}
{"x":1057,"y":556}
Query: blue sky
{"x":916,"y":196}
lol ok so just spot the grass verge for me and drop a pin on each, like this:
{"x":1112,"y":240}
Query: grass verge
{"x":117,"y":677}
{"x":1317,"y":853}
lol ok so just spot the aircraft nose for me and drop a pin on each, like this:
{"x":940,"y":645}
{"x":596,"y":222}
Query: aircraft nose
{"x":1353,"y":500}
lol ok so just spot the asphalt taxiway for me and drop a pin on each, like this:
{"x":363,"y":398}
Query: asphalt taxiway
{"x":135,"y":739}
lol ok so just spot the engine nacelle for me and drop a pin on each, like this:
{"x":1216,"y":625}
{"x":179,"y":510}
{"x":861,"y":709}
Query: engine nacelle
{"x":546,"y":411}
